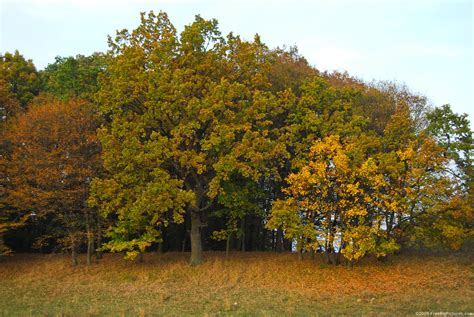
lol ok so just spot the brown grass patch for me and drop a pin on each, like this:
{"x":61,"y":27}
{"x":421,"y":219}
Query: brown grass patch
{"x":253,"y":283}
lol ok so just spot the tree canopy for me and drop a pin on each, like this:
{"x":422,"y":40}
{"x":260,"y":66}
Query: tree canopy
{"x":198,"y":140}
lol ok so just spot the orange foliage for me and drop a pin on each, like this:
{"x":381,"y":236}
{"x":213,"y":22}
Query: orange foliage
{"x":51,"y":155}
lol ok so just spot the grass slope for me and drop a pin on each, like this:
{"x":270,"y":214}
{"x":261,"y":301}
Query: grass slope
{"x":246,"y":284}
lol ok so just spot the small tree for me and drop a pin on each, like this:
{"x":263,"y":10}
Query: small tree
{"x":328,"y":204}
{"x":53,"y":155}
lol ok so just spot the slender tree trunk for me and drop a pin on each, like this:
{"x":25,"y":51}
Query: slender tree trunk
{"x":273,"y":240}
{"x":326,"y":244}
{"x":196,"y":243}
{"x":313,"y":217}
{"x":328,"y":247}
{"x":330,"y":240}
{"x":389,"y":220}
{"x":184,"y":240}
{"x":98,"y":254}
{"x":90,"y":239}
{"x":227,"y":245}
{"x":341,"y":247}
{"x":186,"y":232}
{"x":243,"y":234}
{"x":341,"y":257}
{"x":255,"y":234}
{"x":262,"y":239}
{"x":73,"y":251}
{"x":279,"y":241}
{"x":287,"y":244}
{"x":90,"y":243}
{"x":331,"y":245}
{"x":140,"y":257}
{"x":328,"y":257}
{"x":300,"y":248}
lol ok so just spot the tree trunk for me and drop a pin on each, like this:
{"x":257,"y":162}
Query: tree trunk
{"x":341,"y":247}
{"x":73,"y":252}
{"x":255,"y":233}
{"x":300,"y":248}
{"x":329,"y":241}
{"x":243,"y":234}
{"x":287,"y":244}
{"x":331,"y":245}
{"x":328,"y":257}
{"x":98,"y":254}
{"x":196,"y":243}
{"x":184,"y":240}
{"x":90,"y":240}
{"x":186,"y":232}
{"x":389,"y":220}
{"x":279,"y":241}
{"x":273,"y":240}
{"x":227,"y":245}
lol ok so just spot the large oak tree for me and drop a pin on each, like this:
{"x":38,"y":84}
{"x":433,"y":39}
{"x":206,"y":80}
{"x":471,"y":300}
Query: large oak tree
{"x":186,"y":114}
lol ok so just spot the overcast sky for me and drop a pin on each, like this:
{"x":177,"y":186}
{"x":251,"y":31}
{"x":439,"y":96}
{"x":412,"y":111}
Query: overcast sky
{"x":427,"y":45}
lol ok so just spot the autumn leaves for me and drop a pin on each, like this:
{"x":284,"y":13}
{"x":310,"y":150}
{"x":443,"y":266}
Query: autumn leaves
{"x":196,"y":126}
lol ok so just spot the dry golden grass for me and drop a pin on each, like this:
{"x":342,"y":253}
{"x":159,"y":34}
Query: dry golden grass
{"x":262,"y":284}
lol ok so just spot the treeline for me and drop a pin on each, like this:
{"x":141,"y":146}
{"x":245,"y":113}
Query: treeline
{"x":197,"y":141}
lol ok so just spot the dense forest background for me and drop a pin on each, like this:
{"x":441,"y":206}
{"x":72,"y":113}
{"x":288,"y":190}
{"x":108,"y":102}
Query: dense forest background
{"x":192,"y":141}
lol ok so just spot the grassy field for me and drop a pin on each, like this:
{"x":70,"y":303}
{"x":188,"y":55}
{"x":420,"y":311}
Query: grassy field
{"x":245,"y":284}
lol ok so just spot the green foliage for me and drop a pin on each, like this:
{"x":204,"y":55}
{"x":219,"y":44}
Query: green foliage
{"x":453,"y":133}
{"x":74,"y":77}
{"x":19,"y":76}
{"x":187,"y":114}
{"x":198,"y":125}
{"x":9,"y":105}
{"x":364,"y":194}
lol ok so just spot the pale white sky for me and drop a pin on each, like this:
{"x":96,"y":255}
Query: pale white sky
{"x":427,"y":44}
